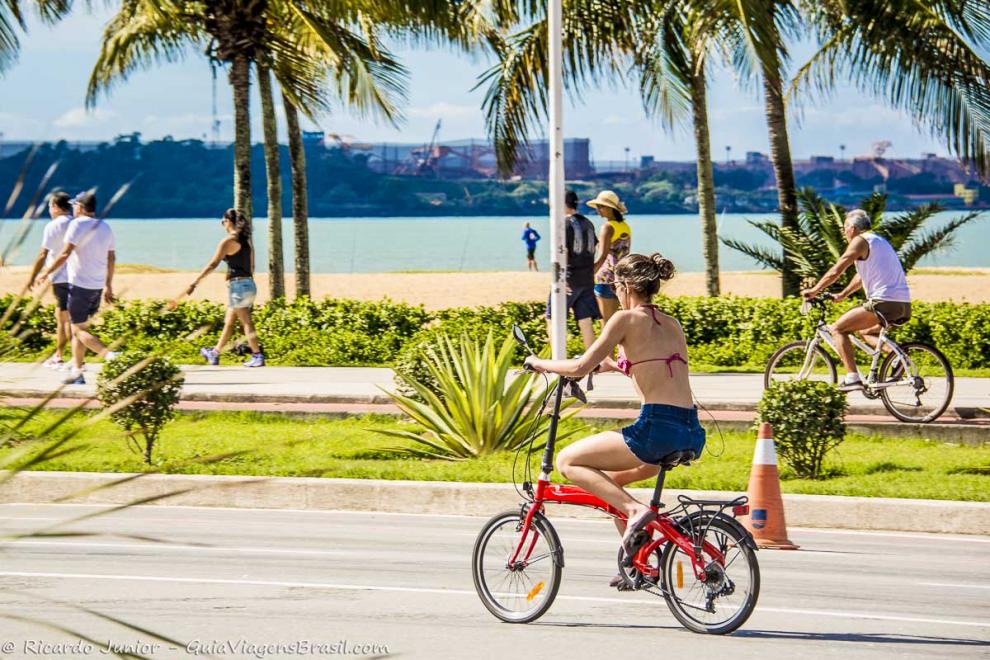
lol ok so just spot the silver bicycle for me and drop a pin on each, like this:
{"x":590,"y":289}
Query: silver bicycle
{"x":914,"y":380}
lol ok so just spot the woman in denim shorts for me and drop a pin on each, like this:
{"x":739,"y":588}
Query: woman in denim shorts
{"x":238,"y":253}
{"x":653,"y":352}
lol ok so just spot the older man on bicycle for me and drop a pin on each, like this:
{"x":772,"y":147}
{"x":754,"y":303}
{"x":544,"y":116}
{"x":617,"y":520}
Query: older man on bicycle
{"x":880,"y":274}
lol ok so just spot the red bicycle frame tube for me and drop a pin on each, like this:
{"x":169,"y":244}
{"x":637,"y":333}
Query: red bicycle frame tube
{"x":566,"y":494}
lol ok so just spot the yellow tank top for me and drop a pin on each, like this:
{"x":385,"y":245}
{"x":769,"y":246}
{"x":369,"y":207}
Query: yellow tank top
{"x":620,"y":230}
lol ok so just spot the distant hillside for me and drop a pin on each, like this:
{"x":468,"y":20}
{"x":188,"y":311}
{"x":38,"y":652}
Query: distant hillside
{"x":189,"y":179}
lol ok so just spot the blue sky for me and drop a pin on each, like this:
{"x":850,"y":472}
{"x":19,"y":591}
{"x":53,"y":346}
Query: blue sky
{"x":41,"y":98}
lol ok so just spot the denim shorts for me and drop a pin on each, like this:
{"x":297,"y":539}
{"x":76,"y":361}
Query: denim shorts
{"x":661,"y":430}
{"x":606,"y":291}
{"x":241,"y":293}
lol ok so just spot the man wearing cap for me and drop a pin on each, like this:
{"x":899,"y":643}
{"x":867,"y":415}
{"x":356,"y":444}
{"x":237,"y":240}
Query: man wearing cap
{"x":52,"y":244}
{"x":90,"y":257}
{"x":880,"y":274}
{"x":581,"y":242}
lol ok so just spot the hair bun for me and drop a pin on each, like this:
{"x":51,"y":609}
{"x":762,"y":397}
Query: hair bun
{"x":664,"y":266}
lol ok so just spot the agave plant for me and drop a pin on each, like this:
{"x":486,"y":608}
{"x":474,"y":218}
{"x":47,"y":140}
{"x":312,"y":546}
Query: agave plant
{"x":817,"y":242}
{"x":480,"y":408}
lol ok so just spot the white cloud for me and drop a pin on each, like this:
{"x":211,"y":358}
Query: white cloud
{"x":81,"y":118}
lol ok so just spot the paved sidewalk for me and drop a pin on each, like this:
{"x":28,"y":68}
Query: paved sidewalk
{"x":355,"y":385}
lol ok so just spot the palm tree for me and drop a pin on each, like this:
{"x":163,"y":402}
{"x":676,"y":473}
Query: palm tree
{"x":300,"y":199}
{"x":920,"y":55}
{"x":143,"y":32}
{"x":817,"y":242}
{"x":666,"y":43}
{"x":311,"y":58}
{"x":273,"y":174}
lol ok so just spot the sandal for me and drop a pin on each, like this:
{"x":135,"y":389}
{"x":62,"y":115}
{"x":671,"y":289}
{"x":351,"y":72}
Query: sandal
{"x":633,"y":527}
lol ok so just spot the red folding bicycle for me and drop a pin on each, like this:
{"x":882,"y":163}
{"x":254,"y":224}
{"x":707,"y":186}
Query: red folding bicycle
{"x":696,"y":556}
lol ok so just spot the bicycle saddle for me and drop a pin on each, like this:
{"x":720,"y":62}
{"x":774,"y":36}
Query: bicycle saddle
{"x":675,"y":458}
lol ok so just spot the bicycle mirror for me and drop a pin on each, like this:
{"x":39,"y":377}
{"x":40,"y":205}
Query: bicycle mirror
{"x":520,"y":337}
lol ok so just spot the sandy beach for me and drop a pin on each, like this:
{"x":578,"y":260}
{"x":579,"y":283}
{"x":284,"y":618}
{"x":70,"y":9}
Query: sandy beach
{"x":441,"y":290}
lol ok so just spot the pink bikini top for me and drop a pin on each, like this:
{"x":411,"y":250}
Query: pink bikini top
{"x":625,"y":366}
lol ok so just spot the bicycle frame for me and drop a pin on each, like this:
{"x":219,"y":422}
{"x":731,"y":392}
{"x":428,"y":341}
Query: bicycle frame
{"x":547,"y":492}
{"x":823,"y":335}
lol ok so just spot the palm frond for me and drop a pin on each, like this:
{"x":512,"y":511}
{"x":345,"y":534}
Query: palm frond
{"x":934,"y":241}
{"x":142,"y":33}
{"x":922,"y":57}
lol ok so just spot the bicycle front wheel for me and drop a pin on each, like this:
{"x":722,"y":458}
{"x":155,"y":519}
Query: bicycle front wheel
{"x":921,"y":392}
{"x":792,"y":362}
{"x":523,"y":590}
{"x":722,"y":600}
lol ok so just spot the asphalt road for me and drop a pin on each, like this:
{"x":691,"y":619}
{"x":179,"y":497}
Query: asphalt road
{"x":235,"y":582}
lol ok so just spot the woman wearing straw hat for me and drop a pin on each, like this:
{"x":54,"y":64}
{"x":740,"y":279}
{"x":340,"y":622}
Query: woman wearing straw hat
{"x":615,"y":240}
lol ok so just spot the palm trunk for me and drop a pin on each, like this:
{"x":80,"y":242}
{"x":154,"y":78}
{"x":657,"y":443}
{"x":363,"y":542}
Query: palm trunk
{"x":273,"y":171}
{"x":240,"y":81}
{"x":300,"y":205}
{"x":783,"y":168}
{"x":706,"y":180}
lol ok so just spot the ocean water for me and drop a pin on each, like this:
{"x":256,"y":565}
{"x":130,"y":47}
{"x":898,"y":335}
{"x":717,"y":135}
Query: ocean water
{"x":372,"y":245}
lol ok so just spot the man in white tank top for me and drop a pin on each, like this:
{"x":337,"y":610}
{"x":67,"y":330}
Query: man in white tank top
{"x":880,"y":274}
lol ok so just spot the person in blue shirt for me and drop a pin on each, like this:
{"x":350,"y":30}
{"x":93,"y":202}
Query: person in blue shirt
{"x":530,"y":237}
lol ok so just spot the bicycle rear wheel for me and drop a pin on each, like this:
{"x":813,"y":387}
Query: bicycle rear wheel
{"x":524,"y":591}
{"x":922,"y":398}
{"x":722,"y":601}
{"x":789,"y":362}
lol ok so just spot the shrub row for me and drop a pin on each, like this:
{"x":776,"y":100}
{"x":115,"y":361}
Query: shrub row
{"x":726,"y":331}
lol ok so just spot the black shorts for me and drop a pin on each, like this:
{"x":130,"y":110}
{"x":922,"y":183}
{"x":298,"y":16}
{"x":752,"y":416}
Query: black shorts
{"x":582,"y":302}
{"x":83,"y":303}
{"x":889,"y":312}
{"x":531,"y":253}
{"x":61,"y":291}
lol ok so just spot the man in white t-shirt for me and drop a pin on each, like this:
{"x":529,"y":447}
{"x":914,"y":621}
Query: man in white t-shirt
{"x":90,"y":256}
{"x":52,"y":244}
{"x":880,"y":274}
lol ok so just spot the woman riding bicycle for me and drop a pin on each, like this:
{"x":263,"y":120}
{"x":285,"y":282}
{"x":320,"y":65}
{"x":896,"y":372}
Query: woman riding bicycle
{"x":653,"y":352}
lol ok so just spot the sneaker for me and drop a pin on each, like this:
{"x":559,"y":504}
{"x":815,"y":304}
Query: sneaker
{"x":851,"y":383}
{"x":74,"y":378}
{"x":210,"y":355}
{"x":54,"y":362}
{"x":111,"y":355}
{"x":257,"y":360}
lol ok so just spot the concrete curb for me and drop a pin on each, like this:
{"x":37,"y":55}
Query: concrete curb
{"x":315,"y":494}
{"x":963,"y":412}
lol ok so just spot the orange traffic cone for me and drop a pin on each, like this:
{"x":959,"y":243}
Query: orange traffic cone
{"x":766,"y":508}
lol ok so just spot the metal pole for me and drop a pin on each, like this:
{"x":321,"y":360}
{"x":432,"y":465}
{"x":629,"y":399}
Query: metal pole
{"x":555,"y":181}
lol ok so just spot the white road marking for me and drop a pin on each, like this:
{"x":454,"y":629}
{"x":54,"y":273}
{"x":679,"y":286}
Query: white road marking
{"x":465,"y":592}
{"x":955,"y":586}
{"x":897,"y":535}
{"x":557,"y":521}
{"x":182,"y":546}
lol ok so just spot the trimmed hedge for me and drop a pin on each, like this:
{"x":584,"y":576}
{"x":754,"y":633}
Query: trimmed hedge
{"x":726,"y":331}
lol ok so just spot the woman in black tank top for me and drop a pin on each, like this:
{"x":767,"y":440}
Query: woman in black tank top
{"x":237,"y":252}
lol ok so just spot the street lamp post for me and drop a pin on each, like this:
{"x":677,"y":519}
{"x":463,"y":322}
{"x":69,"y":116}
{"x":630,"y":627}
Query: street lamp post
{"x":558,"y":250}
